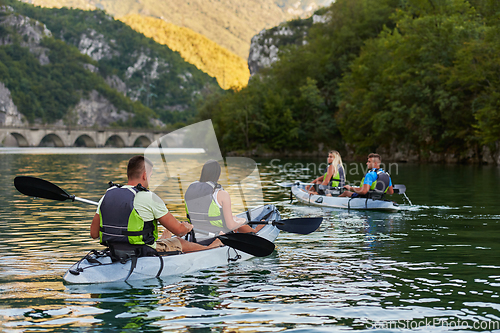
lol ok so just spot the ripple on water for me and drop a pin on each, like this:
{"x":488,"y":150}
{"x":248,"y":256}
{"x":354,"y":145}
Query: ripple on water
{"x":360,"y":268}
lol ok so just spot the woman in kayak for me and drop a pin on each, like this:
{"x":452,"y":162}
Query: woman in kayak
{"x":208,"y":205}
{"x":127,"y":217}
{"x":333,"y":177}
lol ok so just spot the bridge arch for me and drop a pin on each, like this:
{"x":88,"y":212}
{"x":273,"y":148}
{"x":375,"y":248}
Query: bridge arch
{"x":20,"y":139}
{"x":142,"y":141}
{"x":84,"y":141}
{"x":115,"y":141}
{"x":51,"y":140}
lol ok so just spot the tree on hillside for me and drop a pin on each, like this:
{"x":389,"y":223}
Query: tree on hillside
{"x":403,"y":86}
{"x":302,"y":87}
{"x":251,"y":118}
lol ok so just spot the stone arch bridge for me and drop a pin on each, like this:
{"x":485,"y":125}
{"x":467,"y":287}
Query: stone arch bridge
{"x":44,"y":136}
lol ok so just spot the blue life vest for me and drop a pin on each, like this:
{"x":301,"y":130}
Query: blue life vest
{"x":380,"y":186}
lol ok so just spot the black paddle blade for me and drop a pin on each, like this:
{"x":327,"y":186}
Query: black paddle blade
{"x":248,"y":243}
{"x":36,"y":187}
{"x":300,"y":225}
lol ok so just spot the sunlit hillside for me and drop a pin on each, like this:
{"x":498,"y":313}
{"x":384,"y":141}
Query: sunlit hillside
{"x":229,"y":69}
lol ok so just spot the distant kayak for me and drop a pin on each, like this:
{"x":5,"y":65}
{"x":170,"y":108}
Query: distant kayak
{"x":342,"y":202}
{"x":97,"y":266}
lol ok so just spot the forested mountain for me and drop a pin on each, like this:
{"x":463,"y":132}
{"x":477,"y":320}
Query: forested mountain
{"x":415,"y":79}
{"x":229,"y":69}
{"x":267,"y":43}
{"x":89,"y":57}
{"x":229,"y":23}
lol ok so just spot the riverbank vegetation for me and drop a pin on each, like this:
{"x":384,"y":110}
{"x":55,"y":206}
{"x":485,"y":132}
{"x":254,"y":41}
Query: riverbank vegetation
{"x":380,"y":73}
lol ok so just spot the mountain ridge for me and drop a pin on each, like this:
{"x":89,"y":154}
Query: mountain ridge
{"x":229,"y":23}
{"x":78,"y":62}
{"x":230,"y":70}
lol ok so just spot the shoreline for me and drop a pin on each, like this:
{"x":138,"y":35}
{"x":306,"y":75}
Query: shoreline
{"x":486,"y":158}
{"x":469,"y":157}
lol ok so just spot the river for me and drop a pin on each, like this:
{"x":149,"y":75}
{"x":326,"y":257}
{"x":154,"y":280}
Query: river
{"x":433,"y":266}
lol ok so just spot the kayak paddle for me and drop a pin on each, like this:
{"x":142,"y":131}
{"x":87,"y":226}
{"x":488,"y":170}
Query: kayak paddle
{"x":300,"y":225}
{"x":293,"y":184}
{"x":399,"y":188}
{"x":36,"y":187}
{"x":248,"y":243}
{"x":40,"y":188}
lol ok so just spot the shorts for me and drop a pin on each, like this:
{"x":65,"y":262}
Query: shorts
{"x":333,"y":193}
{"x":168,"y":245}
{"x":325,"y":190}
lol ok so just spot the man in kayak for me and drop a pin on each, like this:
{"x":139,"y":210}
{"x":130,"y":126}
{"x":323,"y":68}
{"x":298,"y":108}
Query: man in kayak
{"x":209,"y":206}
{"x":374,"y":184}
{"x":127,"y":216}
{"x":333,"y":177}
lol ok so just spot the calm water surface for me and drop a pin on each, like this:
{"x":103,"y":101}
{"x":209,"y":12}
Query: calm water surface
{"x":433,"y":266}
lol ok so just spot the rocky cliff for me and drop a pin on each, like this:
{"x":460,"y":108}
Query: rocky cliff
{"x":31,"y":31}
{"x":91,"y":110}
{"x":9,"y":116}
{"x":266,"y":44}
{"x":150,"y":77}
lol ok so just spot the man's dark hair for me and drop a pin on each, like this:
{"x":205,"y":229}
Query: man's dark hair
{"x":136,"y":167}
{"x":377,"y":156}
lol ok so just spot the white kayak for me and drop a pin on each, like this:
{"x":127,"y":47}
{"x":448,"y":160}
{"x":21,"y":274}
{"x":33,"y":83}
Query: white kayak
{"x":342,"y":202}
{"x":97,"y":266}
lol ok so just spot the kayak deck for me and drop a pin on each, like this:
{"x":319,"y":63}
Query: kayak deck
{"x":97,"y":266}
{"x":342,"y":202}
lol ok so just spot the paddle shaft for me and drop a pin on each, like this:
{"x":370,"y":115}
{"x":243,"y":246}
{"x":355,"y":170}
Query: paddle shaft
{"x":280,"y":222}
{"x":398,"y":188}
{"x":86,"y":201}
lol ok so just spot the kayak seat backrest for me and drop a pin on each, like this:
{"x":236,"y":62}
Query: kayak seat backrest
{"x":265,"y":214}
{"x":122,"y":251}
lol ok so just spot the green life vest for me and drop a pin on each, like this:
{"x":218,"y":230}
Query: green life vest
{"x":337,"y":179}
{"x":202,"y":210}
{"x":120,"y":222}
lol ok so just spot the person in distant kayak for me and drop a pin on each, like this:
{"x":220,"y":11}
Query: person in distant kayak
{"x":208,"y":205}
{"x":128,"y":215}
{"x":333,"y":177}
{"x":375,"y":184}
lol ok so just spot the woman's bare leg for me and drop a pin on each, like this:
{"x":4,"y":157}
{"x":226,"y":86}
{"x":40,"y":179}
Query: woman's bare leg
{"x":193,"y":247}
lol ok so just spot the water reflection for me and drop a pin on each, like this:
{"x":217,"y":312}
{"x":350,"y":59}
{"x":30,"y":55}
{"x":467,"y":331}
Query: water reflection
{"x":438,"y":260}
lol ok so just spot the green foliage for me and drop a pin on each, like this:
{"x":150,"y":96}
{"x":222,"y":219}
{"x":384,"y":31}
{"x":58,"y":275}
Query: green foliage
{"x":251,"y":118}
{"x":47,"y":92}
{"x":475,"y":80}
{"x":410,"y":84}
{"x":172,"y":88}
{"x":420,"y":73}
{"x":305,"y":79}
